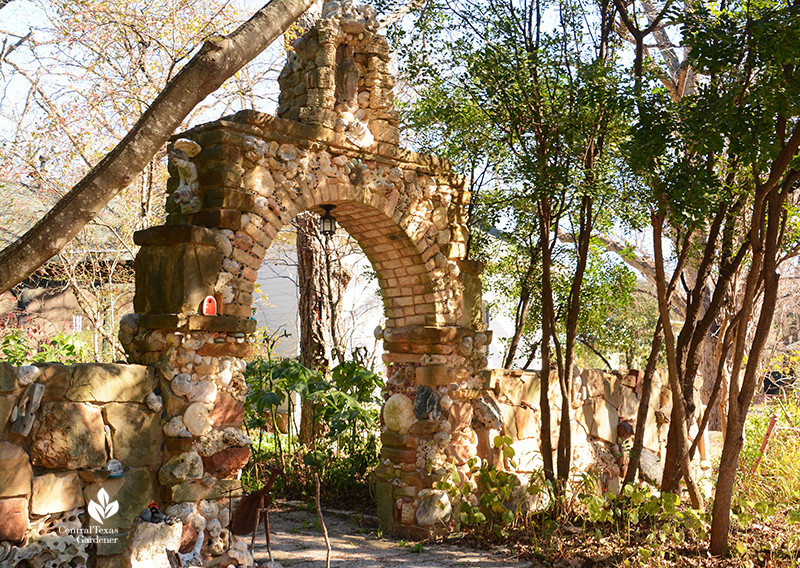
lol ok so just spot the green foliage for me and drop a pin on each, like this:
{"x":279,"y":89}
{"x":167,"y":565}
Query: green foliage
{"x":516,"y":109}
{"x":19,"y":347}
{"x":774,"y":488}
{"x":632,"y":506}
{"x":626,"y":328}
{"x":637,"y":509}
{"x":346,"y":407}
{"x":499,"y":506}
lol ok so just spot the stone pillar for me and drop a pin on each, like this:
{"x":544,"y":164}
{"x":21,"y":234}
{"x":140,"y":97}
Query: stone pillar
{"x":199,"y":363}
{"x":434,"y":375}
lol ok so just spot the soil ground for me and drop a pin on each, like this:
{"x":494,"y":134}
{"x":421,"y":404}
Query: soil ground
{"x":356,"y":543}
{"x":297,"y":543}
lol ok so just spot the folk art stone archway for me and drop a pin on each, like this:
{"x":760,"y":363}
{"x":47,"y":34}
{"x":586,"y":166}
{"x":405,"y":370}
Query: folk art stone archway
{"x":85,"y":448}
{"x":235,"y":183}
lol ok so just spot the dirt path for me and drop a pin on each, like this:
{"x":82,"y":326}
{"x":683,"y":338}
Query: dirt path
{"x":297,"y":543}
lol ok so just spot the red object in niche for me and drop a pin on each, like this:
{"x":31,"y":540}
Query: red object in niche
{"x":210,"y":306}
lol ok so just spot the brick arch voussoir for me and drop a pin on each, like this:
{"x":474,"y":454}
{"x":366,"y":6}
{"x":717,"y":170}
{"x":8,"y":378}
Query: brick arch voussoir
{"x":407,"y":286}
{"x":401,"y":214}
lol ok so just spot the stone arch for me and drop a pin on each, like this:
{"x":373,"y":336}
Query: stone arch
{"x":234,"y":183}
{"x":404,"y":227}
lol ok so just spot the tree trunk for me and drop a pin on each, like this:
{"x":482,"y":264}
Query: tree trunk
{"x":678,"y":424}
{"x":564,"y":452}
{"x":321,"y":280}
{"x":763,"y":269}
{"x":547,"y":317}
{"x":311,"y":310}
{"x":208,"y":69}
{"x":312,"y":296}
{"x":644,"y":406}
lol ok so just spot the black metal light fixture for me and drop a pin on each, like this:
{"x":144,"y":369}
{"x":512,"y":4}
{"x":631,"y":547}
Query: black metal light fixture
{"x":327,"y":222}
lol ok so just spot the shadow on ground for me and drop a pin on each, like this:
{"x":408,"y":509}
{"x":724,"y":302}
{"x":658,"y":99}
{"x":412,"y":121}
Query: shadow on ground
{"x":297,"y":543}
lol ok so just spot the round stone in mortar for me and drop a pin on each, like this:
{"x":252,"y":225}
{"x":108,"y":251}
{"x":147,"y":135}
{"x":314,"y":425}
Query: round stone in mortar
{"x":204,"y":391}
{"x":182,"y":384}
{"x":182,"y":467}
{"x":196,"y":419}
{"x":398,"y":413}
{"x":434,"y":509}
{"x":174,"y":427}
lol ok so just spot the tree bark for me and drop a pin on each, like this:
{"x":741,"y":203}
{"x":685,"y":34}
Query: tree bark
{"x":311,"y":292}
{"x":321,"y":281}
{"x":547,"y":317}
{"x":644,"y":406}
{"x":564,"y":450}
{"x":208,"y":69}
{"x":768,"y":207}
{"x":311,"y":310}
{"x":678,"y":424}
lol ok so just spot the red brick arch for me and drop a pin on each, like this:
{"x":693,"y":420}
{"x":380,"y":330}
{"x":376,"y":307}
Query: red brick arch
{"x":234,"y":183}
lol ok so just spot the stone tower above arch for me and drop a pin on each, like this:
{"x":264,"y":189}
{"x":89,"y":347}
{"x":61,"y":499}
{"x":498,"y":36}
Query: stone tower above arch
{"x":235,"y":183}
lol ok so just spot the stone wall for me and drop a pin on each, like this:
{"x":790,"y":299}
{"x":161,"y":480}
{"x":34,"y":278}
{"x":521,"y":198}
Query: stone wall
{"x":421,"y":451}
{"x":61,"y":426}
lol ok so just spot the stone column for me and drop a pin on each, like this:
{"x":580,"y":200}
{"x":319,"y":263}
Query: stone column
{"x":199,"y":363}
{"x":434,"y":375}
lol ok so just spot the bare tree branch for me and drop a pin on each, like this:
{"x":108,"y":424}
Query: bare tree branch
{"x":217,"y":60}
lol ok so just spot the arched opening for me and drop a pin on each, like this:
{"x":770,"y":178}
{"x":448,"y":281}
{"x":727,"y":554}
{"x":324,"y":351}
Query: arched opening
{"x":292,"y":289}
{"x":236,"y":183}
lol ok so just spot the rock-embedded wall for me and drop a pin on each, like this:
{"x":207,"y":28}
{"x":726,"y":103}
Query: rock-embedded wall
{"x":63,"y":427}
{"x":421,"y":450}
{"x":338,"y":77}
{"x":234,"y":184}
{"x":60,"y":427}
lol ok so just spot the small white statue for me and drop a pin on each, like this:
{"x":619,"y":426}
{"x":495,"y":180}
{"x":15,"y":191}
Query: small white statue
{"x":187,"y":196}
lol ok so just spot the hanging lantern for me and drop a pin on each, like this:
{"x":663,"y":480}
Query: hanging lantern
{"x":327,"y":222}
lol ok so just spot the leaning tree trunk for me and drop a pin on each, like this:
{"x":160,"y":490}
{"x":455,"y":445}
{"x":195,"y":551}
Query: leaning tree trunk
{"x":767,"y":209}
{"x":216,"y":61}
{"x":678,"y":426}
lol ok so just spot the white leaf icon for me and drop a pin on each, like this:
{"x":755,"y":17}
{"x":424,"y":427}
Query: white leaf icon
{"x":96,"y":512}
{"x":111,"y":508}
{"x":103,"y":510}
{"x":102,"y":497}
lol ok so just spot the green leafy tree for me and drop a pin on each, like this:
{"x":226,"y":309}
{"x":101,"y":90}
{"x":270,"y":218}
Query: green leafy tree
{"x":625,"y":329}
{"x":541,"y":106}
{"x":719,"y":161}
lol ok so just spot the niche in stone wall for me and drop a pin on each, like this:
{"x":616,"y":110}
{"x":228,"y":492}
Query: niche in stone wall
{"x":346,"y":90}
{"x":337,"y":76}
